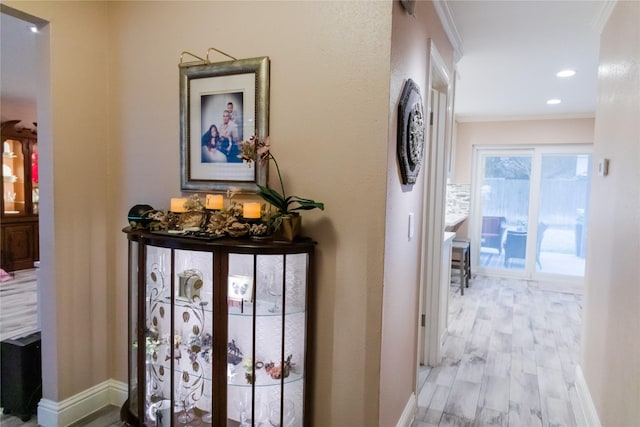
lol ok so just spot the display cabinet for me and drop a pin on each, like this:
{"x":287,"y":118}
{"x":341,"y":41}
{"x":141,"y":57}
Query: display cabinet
{"x":218,"y":331}
{"x":20,"y":196}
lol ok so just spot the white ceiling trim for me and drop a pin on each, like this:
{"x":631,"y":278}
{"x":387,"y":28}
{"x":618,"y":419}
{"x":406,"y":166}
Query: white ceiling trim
{"x":449,"y":25}
{"x":602,"y":15}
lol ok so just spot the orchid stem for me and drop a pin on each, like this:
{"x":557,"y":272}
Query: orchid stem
{"x":279,"y":176}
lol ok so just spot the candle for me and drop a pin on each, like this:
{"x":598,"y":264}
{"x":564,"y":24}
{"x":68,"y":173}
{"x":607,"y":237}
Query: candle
{"x":177,"y":205}
{"x":214,"y":201}
{"x":251,"y":210}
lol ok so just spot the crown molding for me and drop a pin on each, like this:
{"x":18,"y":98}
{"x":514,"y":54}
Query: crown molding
{"x":450,"y":28}
{"x":497,"y":118}
{"x":602,"y":15}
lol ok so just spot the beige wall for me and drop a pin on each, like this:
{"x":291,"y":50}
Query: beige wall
{"x":73,"y":140}
{"x":409,"y":59}
{"x":114,"y":142}
{"x":611,"y":348}
{"x":516,"y":132}
{"x":329,"y":99}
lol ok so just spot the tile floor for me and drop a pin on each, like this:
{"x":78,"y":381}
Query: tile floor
{"x":18,"y":305}
{"x":509,"y":359}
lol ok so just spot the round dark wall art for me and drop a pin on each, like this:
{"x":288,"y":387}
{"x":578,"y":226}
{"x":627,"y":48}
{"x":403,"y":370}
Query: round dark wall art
{"x":410,"y":132}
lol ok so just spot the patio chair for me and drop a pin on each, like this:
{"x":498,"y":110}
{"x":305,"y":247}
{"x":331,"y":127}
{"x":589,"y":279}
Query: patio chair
{"x":493,"y":228}
{"x":542,"y":227}
{"x":515,"y":245}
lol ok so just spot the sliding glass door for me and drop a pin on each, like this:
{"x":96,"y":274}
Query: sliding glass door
{"x":504,"y":196}
{"x":529,"y":208}
{"x":563,"y":201}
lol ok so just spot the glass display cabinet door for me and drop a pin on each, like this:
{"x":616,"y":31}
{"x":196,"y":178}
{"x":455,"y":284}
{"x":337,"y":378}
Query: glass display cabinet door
{"x":266,"y":297}
{"x":158,"y":339}
{"x":35,"y":189}
{"x":13,"y":175}
{"x":178,"y":336}
{"x":193,"y":337}
{"x":133,"y":328}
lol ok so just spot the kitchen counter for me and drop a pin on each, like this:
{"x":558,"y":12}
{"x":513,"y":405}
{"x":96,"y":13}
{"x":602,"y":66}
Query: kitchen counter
{"x":448,"y":235}
{"x":453,"y":221}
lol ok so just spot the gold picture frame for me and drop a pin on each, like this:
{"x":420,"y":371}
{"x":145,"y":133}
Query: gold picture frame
{"x":232,"y":97}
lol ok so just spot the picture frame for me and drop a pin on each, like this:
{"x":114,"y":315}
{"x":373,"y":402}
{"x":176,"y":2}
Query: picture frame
{"x":222,"y":104}
{"x":240,"y":288}
{"x":411,"y":132}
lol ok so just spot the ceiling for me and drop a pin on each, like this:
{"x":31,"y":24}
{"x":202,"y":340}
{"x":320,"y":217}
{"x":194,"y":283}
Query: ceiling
{"x":17,"y":59}
{"x":510,"y":50}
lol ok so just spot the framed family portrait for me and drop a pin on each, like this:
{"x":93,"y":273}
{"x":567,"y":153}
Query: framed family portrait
{"x":222,"y":104}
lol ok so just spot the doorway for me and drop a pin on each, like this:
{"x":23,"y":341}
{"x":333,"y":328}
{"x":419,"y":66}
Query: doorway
{"x":433,"y":295}
{"x":529,"y":210}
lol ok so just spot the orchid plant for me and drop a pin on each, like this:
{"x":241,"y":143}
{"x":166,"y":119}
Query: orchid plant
{"x":259,"y":151}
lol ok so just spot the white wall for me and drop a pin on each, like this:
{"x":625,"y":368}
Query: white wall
{"x":611,"y":344}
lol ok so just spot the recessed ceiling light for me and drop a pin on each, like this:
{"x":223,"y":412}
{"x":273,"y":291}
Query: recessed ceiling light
{"x":554,"y":101}
{"x":33,"y":29}
{"x":566,"y":73}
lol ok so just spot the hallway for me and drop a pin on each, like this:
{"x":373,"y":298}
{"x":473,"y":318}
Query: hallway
{"x":509,"y":359}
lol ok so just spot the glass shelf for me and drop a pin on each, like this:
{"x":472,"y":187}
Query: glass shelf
{"x":263,"y":379}
{"x":182,"y":303}
{"x":264,"y":310}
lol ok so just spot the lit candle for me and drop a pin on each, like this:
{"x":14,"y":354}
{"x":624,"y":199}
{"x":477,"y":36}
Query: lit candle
{"x":214,"y":201}
{"x":177,"y":205}
{"x":251,"y":210}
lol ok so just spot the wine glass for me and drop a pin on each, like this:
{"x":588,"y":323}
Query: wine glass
{"x":208,"y":417}
{"x":274,"y":287}
{"x":288,"y":414}
{"x":186,"y":415}
{"x":244,"y":410}
{"x":260,"y":413}
{"x":247,"y":419}
{"x":184,"y":406}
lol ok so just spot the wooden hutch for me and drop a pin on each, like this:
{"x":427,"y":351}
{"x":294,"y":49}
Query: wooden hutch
{"x":20,"y":195}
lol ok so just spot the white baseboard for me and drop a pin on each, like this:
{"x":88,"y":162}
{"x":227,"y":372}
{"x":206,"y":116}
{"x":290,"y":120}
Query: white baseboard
{"x":74,"y":408}
{"x":586,"y":403}
{"x":409,"y":412}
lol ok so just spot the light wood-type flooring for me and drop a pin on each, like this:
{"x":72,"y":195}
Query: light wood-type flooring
{"x":509,"y":359}
{"x":18,"y":305}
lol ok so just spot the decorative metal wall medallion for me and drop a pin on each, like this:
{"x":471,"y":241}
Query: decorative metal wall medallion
{"x":410,"y":132}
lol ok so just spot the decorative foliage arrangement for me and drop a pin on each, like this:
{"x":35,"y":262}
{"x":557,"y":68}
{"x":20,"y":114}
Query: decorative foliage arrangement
{"x":200,"y":222}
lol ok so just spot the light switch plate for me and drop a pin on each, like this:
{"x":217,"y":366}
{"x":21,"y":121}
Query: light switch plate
{"x":411,"y":225}
{"x":603,"y":167}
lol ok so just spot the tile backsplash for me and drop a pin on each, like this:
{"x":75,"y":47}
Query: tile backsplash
{"x":458,"y":198}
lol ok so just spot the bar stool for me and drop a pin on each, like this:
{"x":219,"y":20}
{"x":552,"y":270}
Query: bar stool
{"x":461,"y":261}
